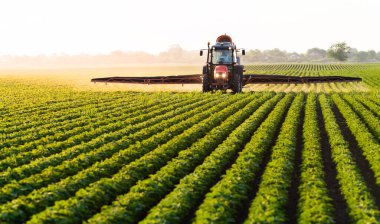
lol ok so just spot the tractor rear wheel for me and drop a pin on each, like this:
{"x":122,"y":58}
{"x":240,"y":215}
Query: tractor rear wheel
{"x":237,"y":83}
{"x":205,"y":83}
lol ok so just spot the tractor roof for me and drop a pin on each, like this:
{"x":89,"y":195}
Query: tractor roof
{"x":224,"y":42}
{"x":223,"y":46}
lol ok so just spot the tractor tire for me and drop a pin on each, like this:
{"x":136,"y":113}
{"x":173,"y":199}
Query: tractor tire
{"x":205,"y":83}
{"x":237,"y":83}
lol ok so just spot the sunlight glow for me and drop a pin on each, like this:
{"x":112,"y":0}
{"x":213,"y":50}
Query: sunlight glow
{"x":100,"y":26}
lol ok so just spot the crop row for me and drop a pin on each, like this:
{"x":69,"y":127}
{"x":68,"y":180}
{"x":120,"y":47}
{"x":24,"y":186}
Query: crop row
{"x":367,"y":142}
{"x":18,"y":122}
{"x":176,"y":206}
{"x":362,"y":208}
{"x":314,"y":205}
{"x":91,"y":120}
{"x":79,"y":119}
{"x":372,"y":122}
{"x":51,"y":110}
{"x":105,"y":190}
{"x":60,"y":99}
{"x":84,"y":155}
{"x":132,"y":206}
{"x":373,"y":107}
{"x":272,"y":196}
{"x":36,"y":149}
{"x":225,"y":200}
{"x":22,"y":122}
{"x":22,"y":207}
{"x":220,"y":200}
{"x":88,"y":111}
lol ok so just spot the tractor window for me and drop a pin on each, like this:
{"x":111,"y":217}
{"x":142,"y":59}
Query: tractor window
{"x":222,"y":57}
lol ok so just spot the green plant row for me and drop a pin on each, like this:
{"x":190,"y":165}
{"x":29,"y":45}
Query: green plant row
{"x":131,"y":207}
{"x":43,"y":107}
{"x":38,"y":164}
{"x":37,"y":149}
{"x":83,"y":156}
{"x":87,"y":113}
{"x":272,"y":196}
{"x":368,"y":103}
{"x":374,"y":98}
{"x":372,"y":122}
{"x":73,"y":100}
{"x":17,"y":120}
{"x":226,"y":199}
{"x":73,"y":127}
{"x":366,"y":141}
{"x":175,"y":207}
{"x":23,"y":207}
{"x":39,"y":131}
{"x":20,"y":124}
{"x":314,"y":205}
{"x":88,"y":201}
{"x":362,"y":208}
{"x":57,"y":101}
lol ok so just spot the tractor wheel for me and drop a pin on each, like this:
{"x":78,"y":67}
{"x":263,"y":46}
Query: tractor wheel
{"x":237,"y":83}
{"x":205,"y":83}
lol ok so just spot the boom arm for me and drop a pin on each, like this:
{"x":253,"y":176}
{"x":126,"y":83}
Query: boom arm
{"x":175,"y":79}
{"x":247,"y":79}
{"x":280,"y":79}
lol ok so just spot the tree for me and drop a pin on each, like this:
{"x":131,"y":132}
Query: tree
{"x":339,"y":51}
{"x":362,"y":56}
{"x":353,"y":56}
{"x":275,"y":55}
{"x":372,"y":55}
{"x":316,"y":54}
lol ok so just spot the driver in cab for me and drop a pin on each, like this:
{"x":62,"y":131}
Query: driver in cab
{"x":225,"y":58}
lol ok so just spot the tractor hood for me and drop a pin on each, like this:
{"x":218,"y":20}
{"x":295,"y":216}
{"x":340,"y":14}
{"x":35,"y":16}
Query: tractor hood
{"x":221,"y":72}
{"x":221,"y":69}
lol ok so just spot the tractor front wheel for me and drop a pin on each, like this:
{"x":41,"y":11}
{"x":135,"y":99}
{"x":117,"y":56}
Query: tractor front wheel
{"x":205,"y":83}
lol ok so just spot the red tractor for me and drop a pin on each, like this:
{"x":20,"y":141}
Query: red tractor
{"x":222,"y":70}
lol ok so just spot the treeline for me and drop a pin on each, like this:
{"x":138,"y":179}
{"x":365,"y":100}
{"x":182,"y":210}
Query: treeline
{"x":176,"y":55}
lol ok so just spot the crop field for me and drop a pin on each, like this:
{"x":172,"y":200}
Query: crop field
{"x":273,"y":154}
{"x":369,"y":73}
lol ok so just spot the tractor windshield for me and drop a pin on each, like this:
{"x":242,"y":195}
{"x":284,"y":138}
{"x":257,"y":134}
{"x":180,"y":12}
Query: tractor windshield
{"x":222,"y":57}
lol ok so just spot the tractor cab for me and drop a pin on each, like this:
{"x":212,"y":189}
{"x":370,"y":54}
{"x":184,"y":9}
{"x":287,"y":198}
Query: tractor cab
{"x":223,"y":55}
{"x":222,"y":70}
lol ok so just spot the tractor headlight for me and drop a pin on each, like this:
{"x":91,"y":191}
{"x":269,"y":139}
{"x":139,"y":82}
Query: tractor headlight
{"x":220,"y":75}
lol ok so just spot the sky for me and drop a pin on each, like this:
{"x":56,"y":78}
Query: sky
{"x":102,"y":26}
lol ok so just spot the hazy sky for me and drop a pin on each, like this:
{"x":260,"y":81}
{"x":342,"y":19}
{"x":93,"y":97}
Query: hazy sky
{"x":32,"y":27}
